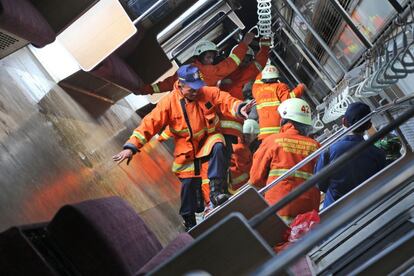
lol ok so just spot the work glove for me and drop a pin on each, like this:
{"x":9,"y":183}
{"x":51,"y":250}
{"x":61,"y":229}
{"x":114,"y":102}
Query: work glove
{"x":245,"y":108}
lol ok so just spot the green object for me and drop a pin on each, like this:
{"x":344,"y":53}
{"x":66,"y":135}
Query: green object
{"x":391,"y":145}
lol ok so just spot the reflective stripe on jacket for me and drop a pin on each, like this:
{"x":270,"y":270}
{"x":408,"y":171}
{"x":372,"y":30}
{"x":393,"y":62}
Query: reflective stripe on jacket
{"x":211,"y":74}
{"x":276,"y":155}
{"x":238,"y":79}
{"x":245,"y":74}
{"x":268,"y":98}
{"x":240,"y":164}
{"x":193,"y":141}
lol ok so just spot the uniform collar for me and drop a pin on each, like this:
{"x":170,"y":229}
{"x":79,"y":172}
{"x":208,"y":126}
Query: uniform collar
{"x":289,"y":128}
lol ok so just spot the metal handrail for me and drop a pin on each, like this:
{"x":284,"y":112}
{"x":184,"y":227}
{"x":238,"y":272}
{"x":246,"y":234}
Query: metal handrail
{"x":151,"y":9}
{"x":336,"y":136}
{"x":326,"y":143}
{"x":353,"y":209}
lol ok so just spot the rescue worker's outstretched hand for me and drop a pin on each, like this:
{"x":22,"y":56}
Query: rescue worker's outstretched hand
{"x":125,"y":154}
{"x":302,"y":86}
{"x":245,"y":110}
{"x":248,"y":38}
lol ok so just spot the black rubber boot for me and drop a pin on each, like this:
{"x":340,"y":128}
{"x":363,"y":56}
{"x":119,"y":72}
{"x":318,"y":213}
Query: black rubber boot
{"x":189,"y":221}
{"x":217,"y":195}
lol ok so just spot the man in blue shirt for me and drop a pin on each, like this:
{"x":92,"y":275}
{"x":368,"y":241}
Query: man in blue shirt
{"x":358,"y":169}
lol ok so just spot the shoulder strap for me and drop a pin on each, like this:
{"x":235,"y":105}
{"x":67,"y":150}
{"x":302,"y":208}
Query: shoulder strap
{"x":190,"y":130}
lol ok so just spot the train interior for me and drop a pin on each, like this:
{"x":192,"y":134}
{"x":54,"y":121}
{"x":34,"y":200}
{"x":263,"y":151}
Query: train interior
{"x":69,"y":70}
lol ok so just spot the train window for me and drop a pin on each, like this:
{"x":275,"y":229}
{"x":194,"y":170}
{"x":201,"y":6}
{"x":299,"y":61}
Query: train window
{"x":372,"y":17}
{"x":348,"y":48}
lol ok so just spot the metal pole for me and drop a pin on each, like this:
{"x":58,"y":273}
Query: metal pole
{"x":328,"y":143}
{"x":328,"y":226}
{"x":345,"y":16}
{"x":316,"y":35}
{"x":227,"y":37}
{"x":327,"y":171}
{"x":353,"y":209}
{"x":286,"y":67}
{"x":295,"y":40}
{"x":157,"y":4}
{"x":396,"y":6}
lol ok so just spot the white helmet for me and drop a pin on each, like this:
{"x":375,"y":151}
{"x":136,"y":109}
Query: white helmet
{"x":249,"y":52}
{"x":270,"y":72}
{"x":250,"y":126}
{"x":297,"y":110}
{"x":204,"y":46}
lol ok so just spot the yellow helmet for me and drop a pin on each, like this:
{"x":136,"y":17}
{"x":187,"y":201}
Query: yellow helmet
{"x":270,"y":72}
{"x":297,"y":110}
{"x":250,"y":126}
{"x":204,"y":46}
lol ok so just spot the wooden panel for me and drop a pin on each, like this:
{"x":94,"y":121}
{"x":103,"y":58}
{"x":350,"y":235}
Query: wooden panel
{"x":230,"y":248}
{"x":97,"y":33}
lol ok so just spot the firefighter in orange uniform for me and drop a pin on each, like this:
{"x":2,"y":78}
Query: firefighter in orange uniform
{"x":242,"y":157}
{"x":190,"y":113}
{"x":247,"y":71}
{"x":240,"y":163}
{"x":269,"y":93}
{"x":280,"y":152}
{"x":205,"y":53}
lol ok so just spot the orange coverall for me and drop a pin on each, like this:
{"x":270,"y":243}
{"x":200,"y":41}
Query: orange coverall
{"x":240,"y":164}
{"x":211,"y":74}
{"x":276,"y":155}
{"x":191,"y":142}
{"x":238,"y":79}
{"x":268,"y":97}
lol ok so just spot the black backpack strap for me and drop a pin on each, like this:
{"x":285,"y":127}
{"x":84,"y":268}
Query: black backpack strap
{"x":187,"y":121}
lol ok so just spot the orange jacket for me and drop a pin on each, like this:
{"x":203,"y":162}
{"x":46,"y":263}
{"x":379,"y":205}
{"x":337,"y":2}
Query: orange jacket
{"x":276,"y":155}
{"x":165,"y":135}
{"x":191,"y":142}
{"x":245,"y":74}
{"x":268,"y":97}
{"x":240,"y":164}
{"x":239,"y":78}
{"x":211,"y":74}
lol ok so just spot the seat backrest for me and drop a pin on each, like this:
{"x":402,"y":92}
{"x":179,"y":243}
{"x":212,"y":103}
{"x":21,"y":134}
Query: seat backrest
{"x":19,"y":256}
{"x":21,"y":22}
{"x":229,"y":248}
{"x":248,"y":203}
{"x":103,"y":237}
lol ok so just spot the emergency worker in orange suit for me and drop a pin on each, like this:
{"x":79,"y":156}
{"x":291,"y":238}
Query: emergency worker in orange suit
{"x":280,"y":152}
{"x":269,"y":93}
{"x":204,"y":53}
{"x":242,"y":157}
{"x":240,"y":163}
{"x":246,"y":72}
{"x":190,"y":112}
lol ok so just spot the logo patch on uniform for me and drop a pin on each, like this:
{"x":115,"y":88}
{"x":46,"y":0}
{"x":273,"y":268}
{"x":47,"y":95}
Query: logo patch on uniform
{"x":208,"y":105}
